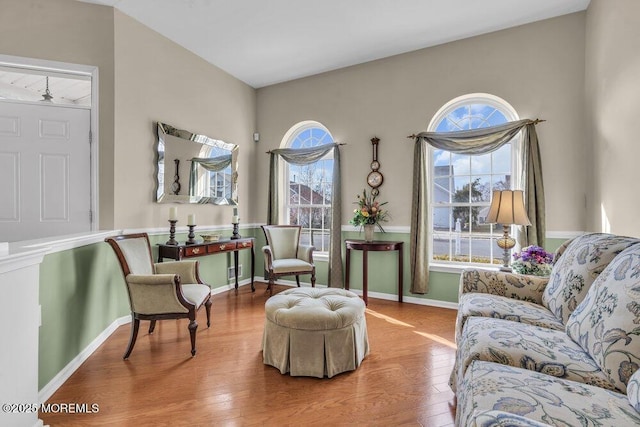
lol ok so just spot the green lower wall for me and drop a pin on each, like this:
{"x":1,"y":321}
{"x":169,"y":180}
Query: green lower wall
{"x":81,"y":294}
{"x":82,"y":290}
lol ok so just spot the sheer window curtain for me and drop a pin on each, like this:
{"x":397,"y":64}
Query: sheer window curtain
{"x":473,"y":142}
{"x":303,"y":156}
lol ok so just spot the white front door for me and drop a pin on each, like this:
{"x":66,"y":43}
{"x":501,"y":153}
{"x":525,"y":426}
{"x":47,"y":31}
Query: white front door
{"x":45,"y":171}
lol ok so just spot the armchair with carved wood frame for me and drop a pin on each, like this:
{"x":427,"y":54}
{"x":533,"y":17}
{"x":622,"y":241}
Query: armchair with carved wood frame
{"x":158,"y":291}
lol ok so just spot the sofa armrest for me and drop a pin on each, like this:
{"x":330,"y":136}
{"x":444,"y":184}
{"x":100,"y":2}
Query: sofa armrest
{"x":187,"y":270}
{"x":305,"y":253}
{"x":515,"y":286}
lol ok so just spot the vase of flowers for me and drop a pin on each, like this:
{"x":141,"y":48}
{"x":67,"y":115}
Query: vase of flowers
{"x":532,"y":260}
{"x":369,"y":214}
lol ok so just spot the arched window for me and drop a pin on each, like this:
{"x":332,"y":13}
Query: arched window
{"x":307,"y":201}
{"x":461,"y":185}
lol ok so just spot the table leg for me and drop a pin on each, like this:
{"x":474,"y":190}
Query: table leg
{"x":253,"y":267}
{"x":346,"y":277}
{"x":235,"y":267}
{"x":400,"y":268}
{"x":365,"y":276}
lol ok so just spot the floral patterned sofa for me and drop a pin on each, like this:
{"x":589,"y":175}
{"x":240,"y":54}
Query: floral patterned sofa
{"x":576,"y":332}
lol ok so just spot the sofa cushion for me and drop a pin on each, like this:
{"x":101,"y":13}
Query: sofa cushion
{"x":526,"y":346}
{"x":499,"y":307}
{"x":539,"y":397}
{"x":580,"y":264}
{"x":607,"y":323}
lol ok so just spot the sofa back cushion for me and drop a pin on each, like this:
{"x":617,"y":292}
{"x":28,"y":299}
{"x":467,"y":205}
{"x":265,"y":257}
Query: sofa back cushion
{"x":607,"y":323}
{"x":580,"y":264}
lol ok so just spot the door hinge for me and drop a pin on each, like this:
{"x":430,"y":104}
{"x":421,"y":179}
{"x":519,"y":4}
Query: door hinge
{"x":90,"y":216}
{"x":90,"y":137}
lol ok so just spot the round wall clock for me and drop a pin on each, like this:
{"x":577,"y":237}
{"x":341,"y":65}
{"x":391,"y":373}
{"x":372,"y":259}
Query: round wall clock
{"x":375,"y":178}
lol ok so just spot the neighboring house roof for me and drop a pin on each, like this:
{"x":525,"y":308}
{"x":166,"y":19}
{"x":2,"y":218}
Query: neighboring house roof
{"x":303,"y":194}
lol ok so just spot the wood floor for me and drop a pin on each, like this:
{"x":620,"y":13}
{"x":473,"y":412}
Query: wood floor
{"x":403,"y":381}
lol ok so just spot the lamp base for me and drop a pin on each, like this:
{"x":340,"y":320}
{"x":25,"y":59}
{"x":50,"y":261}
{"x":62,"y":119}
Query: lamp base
{"x":506,"y":243}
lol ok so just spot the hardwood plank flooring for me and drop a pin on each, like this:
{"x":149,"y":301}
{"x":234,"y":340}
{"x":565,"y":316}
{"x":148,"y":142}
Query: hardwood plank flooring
{"x":403,"y":381}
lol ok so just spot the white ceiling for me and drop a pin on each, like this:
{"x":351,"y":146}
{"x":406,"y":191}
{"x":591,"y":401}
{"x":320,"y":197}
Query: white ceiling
{"x":263,"y":42}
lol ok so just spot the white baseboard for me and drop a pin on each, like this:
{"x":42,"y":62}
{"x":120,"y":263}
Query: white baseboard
{"x":47,"y":391}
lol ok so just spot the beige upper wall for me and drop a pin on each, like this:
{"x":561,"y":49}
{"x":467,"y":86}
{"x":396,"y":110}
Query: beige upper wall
{"x":613,"y":105}
{"x":73,"y":32}
{"x":157,"y":80}
{"x":538,"y":68}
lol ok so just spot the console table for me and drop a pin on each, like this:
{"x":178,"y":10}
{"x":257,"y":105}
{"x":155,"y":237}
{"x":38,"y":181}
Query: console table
{"x":366,"y":247}
{"x":178,"y":252}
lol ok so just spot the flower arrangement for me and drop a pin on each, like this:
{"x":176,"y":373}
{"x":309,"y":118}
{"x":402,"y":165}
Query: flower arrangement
{"x":369,"y":211}
{"x":532,"y":260}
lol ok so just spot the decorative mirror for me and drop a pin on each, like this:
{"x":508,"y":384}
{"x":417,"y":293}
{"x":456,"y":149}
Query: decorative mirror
{"x":195,"y":168}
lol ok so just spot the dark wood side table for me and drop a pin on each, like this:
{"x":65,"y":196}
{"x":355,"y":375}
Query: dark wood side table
{"x":366,"y":247}
{"x":178,"y":252}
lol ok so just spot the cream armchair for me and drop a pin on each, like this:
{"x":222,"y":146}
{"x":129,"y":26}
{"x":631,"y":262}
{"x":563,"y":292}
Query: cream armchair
{"x":171,"y":290}
{"x":285,"y":256}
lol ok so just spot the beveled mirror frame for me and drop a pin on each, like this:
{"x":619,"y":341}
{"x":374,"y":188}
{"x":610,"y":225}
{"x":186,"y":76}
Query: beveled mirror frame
{"x":179,"y":147}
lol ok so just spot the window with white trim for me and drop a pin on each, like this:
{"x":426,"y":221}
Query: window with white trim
{"x":460,"y":186}
{"x":308,"y":194}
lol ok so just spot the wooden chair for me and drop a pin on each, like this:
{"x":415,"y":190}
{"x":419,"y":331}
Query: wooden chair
{"x":285,"y":256}
{"x":171,"y":290}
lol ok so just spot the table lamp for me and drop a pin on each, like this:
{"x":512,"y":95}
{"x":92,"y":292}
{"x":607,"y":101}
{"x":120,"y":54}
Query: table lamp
{"x":507,"y":208}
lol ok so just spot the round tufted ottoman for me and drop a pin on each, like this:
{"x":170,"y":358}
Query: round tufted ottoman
{"x":315,"y":332}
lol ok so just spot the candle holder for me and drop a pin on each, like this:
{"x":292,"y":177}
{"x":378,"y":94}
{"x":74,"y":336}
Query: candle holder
{"x":172,"y":233}
{"x":236,"y":229}
{"x":191,"y":236}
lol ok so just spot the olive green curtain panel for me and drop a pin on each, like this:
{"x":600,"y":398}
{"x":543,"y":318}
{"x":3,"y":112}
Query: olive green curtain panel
{"x":473,"y":142}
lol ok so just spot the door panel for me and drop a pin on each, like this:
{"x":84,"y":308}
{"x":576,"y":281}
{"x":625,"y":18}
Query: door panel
{"x":45,"y":171}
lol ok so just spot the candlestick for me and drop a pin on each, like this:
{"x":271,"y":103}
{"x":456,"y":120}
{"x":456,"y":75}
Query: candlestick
{"x":191,"y":219}
{"x":172,"y":232}
{"x":236,"y":234}
{"x":191,"y":240}
{"x":173,"y":214}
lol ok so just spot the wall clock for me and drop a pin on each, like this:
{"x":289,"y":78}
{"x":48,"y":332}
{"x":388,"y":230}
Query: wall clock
{"x":375,"y":178}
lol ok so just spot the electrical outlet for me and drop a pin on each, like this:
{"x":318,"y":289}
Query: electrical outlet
{"x":231,"y":272}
